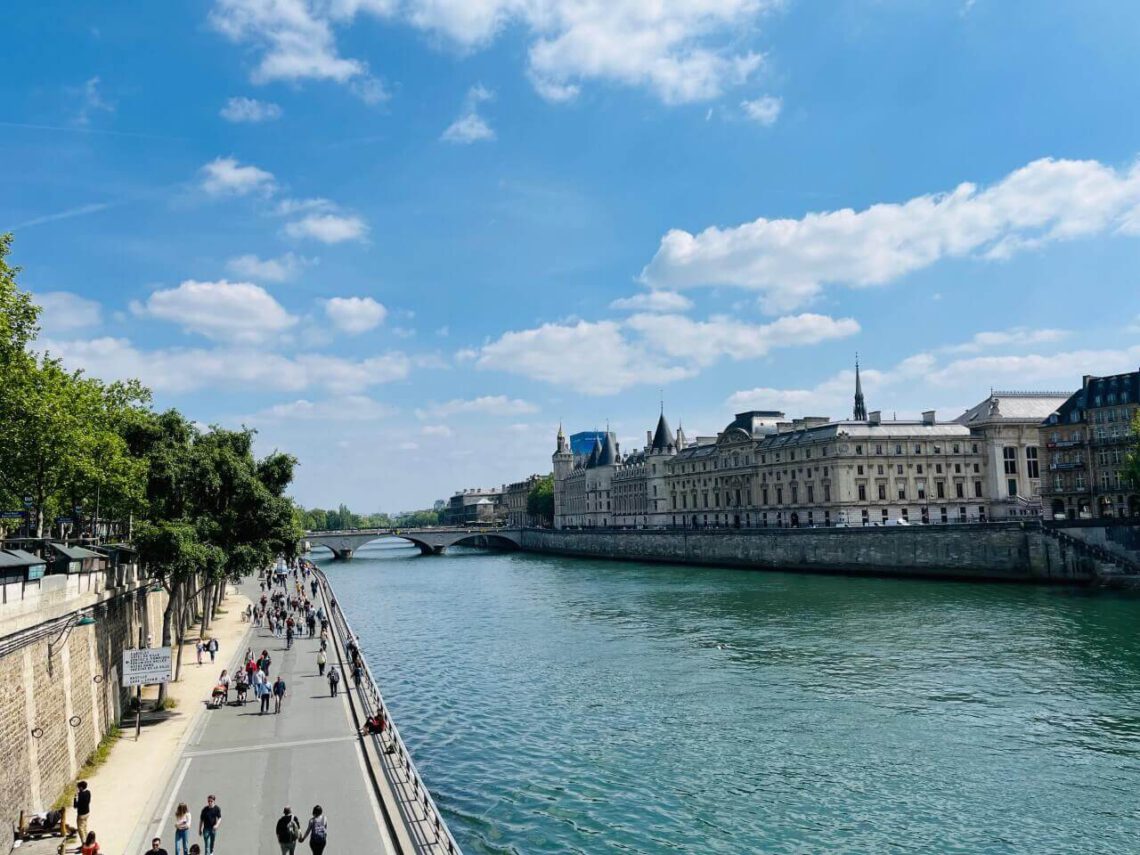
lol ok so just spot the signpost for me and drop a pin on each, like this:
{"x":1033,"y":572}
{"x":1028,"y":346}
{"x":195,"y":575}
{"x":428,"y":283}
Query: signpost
{"x":144,"y":666}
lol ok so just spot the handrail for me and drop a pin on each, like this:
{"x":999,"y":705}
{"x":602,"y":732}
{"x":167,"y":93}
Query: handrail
{"x":374,"y":702}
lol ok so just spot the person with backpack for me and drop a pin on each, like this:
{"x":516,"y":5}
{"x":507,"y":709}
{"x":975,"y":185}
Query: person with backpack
{"x":213,"y":647}
{"x":288,"y":830}
{"x":317,"y":831}
{"x":334,"y":679}
{"x":321,"y":660}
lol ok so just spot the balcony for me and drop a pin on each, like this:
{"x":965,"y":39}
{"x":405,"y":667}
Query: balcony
{"x":1065,"y":443}
{"x":1060,"y":467}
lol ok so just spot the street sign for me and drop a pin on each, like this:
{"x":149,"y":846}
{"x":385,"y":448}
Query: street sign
{"x":145,"y":666}
{"x":12,"y":515}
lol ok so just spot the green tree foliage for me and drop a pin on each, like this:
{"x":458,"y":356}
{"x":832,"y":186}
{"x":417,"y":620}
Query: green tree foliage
{"x":319,"y":519}
{"x":1133,"y":459}
{"x":540,"y":500}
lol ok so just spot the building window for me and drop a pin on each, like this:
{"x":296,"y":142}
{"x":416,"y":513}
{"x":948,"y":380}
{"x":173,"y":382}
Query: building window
{"x":862,"y":493}
{"x":977,"y":489}
{"x":1031,"y":465}
{"x":921,"y":490}
{"x":1011,"y":487}
{"x":858,"y":449}
{"x":898,"y":469}
{"x":827,"y":492}
{"x":940,"y":486}
{"x":902,"y":494}
{"x":882,"y":492}
{"x":858,"y":470}
{"x":919,"y":469}
{"x":1009,"y":454}
{"x":960,"y":490}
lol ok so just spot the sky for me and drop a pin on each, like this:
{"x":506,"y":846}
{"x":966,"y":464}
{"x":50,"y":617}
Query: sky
{"x":404,"y":240}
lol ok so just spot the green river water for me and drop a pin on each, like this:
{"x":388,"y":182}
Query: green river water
{"x":561,"y":705}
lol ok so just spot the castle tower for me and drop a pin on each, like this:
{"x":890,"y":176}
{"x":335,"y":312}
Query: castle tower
{"x":860,"y":414}
{"x":563,"y":461}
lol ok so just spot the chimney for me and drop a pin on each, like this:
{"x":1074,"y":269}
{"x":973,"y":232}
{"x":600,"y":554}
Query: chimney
{"x":928,"y":417}
{"x":648,"y":438}
{"x":875,"y":417}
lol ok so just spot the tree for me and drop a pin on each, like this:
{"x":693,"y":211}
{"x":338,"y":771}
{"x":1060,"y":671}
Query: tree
{"x":1132,"y":460}
{"x":18,"y":314}
{"x":540,"y":501}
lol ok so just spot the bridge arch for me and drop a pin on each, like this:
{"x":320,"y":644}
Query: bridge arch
{"x":344,"y":544}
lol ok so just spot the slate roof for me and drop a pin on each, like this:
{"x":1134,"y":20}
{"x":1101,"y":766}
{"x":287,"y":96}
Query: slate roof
{"x":609,"y":454}
{"x":662,"y":437}
{"x":1014,"y":407}
{"x":752,"y":424}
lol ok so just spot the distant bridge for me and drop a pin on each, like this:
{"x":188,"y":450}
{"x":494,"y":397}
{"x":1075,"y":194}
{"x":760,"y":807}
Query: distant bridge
{"x":431,"y":541}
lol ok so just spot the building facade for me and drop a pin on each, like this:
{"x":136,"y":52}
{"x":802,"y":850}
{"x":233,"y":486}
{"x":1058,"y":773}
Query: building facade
{"x":476,"y":506}
{"x":1085,"y":443}
{"x":515,"y":500}
{"x":764,"y":470}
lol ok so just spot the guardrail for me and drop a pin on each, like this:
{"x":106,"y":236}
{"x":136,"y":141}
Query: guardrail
{"x":396,"y":760}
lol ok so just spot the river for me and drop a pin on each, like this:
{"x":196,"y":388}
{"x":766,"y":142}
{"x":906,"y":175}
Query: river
{"x":565,"y":705}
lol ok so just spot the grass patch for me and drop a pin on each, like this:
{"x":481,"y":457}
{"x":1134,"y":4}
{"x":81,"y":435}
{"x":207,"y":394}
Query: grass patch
{"x":94,"y":760}
{"x":168,"y":703}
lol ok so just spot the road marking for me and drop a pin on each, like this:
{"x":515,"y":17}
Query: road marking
{"x":271,"y":746}
{"x":169,"y":809}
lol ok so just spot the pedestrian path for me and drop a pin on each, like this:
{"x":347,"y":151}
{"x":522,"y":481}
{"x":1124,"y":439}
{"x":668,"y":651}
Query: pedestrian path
{"x":256,"y":764}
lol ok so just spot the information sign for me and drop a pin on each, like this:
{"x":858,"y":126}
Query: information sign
{"x":146,"y":666}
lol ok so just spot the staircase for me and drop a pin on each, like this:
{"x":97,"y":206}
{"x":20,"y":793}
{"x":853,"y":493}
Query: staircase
{"x":1110,"y":567}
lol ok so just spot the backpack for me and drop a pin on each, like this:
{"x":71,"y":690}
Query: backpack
{"x":334,"y":676}
{"x":320,"y":828}
{"x":294,"y":829}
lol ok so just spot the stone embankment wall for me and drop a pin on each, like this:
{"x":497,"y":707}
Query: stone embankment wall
{"x":998,"y":551}
{"x":55,"y":709}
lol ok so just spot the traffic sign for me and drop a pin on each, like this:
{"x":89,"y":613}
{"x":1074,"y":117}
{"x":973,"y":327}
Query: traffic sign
{"x":147,"y":665}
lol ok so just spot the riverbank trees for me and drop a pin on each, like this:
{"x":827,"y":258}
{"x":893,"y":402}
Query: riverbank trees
{"x":202,"y":506}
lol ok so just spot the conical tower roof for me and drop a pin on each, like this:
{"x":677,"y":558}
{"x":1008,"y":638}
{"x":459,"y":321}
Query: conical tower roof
{"x":595,"y":453}
{"x":608,"y":454}
{"x":662,"y":437}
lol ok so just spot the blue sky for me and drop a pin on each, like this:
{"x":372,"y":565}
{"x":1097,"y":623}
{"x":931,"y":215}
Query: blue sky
{"x":404,"y":239}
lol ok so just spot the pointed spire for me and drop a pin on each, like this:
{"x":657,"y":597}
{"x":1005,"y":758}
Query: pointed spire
{"x":860,"y":414}
{"x":662,"y":437}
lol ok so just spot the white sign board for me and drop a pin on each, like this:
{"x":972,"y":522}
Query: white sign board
{"x":145,"y":666}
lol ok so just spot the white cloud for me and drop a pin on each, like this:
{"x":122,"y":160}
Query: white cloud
{"x":495,"y":405}
{"x":250,"y":110}
{"x":654,"y":301}
{"x":436,"y":430}
{"x":704,"y":342}
{"x":63,"y":311}
{"x":470,"y":126}
{"x":605,"y":357}
{"x":224,"y":176}
{"x":292,"y":207}
{"x":328,"y":228}
{"x":1020,"y":336}
{"x":188,"y":369}
{"x":681,"y":50}
{"x":227,"y":311}
{"x":91,"y":101}
{"x":296,"y":40}
{"x":765,"y":109}
{"x":346,"y":408}
{"x":280,"y":269}
{"x":788,"y":261}
{"x":591,"y":358}
{"x":355,"y":314}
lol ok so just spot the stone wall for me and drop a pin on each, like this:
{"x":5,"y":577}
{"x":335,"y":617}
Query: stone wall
{"x":55,"y":709}
{"x":997,"y":551}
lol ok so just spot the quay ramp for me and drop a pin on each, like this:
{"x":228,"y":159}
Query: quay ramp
{"x":309,"y":754}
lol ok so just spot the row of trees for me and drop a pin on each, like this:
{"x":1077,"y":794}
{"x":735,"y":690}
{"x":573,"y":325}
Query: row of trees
{"x":318,"y":519}
{"x":203,"y":508}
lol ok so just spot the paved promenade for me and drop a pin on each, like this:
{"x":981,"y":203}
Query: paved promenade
{"x":256,"y":764}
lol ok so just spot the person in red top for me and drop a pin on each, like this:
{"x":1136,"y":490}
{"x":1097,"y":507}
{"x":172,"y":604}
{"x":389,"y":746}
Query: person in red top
{"x":90,"y":847}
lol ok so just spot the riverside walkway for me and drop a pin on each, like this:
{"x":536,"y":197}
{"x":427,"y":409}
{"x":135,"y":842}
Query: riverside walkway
{"x":308,"y":754}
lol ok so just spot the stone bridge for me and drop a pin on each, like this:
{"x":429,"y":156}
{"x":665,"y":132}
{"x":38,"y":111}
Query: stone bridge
{"x":431,"y":541}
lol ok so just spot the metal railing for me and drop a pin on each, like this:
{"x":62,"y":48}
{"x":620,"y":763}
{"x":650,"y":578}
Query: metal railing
{"x":395,"y":758}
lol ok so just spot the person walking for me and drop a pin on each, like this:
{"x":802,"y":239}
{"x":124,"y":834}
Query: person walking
{"x":82,"y":805}
{"x":224,"y":680}
{"x":181,"y":829}
{"x":334,"y":679}
{"x":288,"y":830}
{"x":321,"y":660}
{"x":317,"y":831}
{"x":156,"y":847}
{"x":198,"y":650}
{"x":213,"y":645}
{"x":89,"y":846}
{"x":278,"y":693}
{"x":263,"y":692}
{"x":208,"y":823}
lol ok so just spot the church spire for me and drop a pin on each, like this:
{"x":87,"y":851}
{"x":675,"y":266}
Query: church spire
{"x":860,"y":414}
